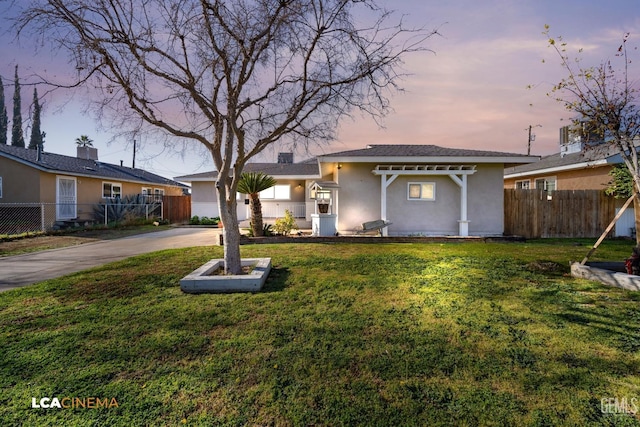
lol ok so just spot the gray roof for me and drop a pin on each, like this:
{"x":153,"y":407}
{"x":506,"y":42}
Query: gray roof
{"x":304,"y":169}
{"x":57,"y":163}
{"x":603,"y":155}
{"x":391,"y":151}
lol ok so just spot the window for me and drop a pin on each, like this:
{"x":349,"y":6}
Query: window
{"x":158,"y":193}
{"x":421,"y":191}
{"x":547,"y":184}
{"x":278,"y":192}
{"x":111,"y":190}
{"x":523,"y":185}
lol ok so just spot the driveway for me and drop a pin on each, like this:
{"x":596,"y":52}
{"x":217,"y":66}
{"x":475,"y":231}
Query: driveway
{"x":22,"y":270}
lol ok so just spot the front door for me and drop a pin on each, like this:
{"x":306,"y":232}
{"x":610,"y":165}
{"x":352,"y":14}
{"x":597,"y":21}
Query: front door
{"x":66,"y":200}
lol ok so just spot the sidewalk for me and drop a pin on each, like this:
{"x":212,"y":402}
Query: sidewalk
{"x":22,"y":270}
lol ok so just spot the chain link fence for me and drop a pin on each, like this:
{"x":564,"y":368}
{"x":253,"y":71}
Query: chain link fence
{"x":19,"y":218}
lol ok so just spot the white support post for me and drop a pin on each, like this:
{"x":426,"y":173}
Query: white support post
{"x":463,"y":222}
{"x":386,"y":181}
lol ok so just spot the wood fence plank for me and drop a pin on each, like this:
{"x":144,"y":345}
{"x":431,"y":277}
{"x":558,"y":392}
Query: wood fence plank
{"x":567,"y":213}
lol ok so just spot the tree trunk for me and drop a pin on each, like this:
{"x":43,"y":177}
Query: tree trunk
{"x":229,"y":217}
{"x":636,"y":214}
{"x":256,"y":215}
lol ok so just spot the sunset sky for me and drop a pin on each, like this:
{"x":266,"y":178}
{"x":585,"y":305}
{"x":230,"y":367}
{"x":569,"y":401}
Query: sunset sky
{"x":470,"y":93}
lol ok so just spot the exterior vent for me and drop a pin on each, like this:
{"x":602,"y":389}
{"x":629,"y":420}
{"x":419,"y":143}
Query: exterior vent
{"x":285,"y":157}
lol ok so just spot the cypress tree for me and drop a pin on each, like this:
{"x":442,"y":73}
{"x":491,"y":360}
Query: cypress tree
{"x":17,"y":138}
{"x":36,"y":134}
{"x":4,"y":118}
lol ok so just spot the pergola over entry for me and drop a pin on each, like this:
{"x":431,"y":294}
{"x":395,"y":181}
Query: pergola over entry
{"x":458,"y":173}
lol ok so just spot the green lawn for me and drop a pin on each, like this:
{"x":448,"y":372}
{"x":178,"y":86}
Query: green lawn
{"x":343,"y":334}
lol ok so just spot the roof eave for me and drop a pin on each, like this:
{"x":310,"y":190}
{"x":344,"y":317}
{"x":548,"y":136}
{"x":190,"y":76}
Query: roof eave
{"x":186,"y":178}
{"x":431,"y":159}
{"x":546,"y":171}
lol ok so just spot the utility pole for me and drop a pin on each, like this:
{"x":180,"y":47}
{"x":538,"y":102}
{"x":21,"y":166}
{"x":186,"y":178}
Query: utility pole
{"x":532,"y":137}
{"x":134,"y":154}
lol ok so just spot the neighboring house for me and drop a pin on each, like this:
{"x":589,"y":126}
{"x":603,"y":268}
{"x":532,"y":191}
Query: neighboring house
{"x":568,"y":170}
{"x":578,"y":166}
{"x":420,"y":189}
{"x":73,"y":184}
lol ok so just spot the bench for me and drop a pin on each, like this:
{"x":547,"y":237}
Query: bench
{"x":376,"y":225}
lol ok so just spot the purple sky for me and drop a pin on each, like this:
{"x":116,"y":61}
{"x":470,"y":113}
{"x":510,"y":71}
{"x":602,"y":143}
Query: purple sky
{"x":471,"y":93}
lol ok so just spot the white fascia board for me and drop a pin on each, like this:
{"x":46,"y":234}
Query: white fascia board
{"x":547,"y":171}
{"x":292,"y":177}
{"x":277,"y":177}
{"x":430,"y":159}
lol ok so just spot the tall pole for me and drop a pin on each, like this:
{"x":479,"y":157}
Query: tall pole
{"x":134,"y":153}
{"x":531,"y":138}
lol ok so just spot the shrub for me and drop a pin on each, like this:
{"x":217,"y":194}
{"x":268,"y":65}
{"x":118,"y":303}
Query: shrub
{"x":267,"y":230}
{"x":204,"y":220}
{"x":286,"y":224}
{"x":126,"y":209}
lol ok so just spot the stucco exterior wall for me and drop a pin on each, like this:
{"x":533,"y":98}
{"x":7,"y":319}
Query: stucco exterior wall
{"x":20,"y":183}
{"x":359,"y":201}
{"x":358,"y":198}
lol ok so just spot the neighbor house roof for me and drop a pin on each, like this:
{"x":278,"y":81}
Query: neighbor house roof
{"x":426,"y":154}
{"x":554,"y":163}
{"x":303,"y":170}
{"x":57,"y":163}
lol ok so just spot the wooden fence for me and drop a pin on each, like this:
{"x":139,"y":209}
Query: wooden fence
{"x":563,"y":213}
{"x":176,"y":209}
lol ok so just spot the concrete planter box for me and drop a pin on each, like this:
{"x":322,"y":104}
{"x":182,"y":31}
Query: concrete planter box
{"x":607,"y":273}
{"x":201,"y":280}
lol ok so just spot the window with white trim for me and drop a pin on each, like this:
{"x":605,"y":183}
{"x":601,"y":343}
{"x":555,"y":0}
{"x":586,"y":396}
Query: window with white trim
{"x":277,"y":192}
{"x":111,"y":190}
{"x":547,"y":184}
{"x":421,"y":191}
{"x":523,"y":185}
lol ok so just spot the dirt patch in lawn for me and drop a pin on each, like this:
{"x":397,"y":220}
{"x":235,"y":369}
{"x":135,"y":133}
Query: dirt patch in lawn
{"x":54,"y":241}
{"x":41,"y":243}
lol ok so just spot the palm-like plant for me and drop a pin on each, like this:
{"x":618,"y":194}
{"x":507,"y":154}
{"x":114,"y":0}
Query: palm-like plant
{"x":252,"y":183}
{"x":84,"y":141}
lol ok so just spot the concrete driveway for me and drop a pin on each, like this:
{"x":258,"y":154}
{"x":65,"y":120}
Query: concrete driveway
{"x":22,"y":270}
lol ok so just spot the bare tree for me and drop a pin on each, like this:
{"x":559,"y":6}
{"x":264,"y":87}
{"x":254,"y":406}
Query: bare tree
{"x":605,"y":102}
{"x":235,"y":76}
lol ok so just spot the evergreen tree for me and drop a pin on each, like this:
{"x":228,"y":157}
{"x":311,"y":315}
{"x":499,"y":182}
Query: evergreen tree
{"x":4,"y":119}
{"x":36,"y":134}
{"x":17,"y":138}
